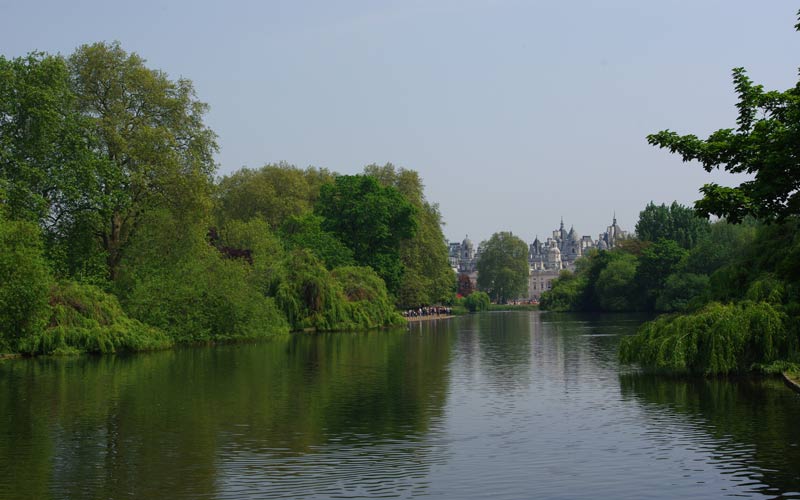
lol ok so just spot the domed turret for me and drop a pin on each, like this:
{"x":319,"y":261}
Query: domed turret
{"x":554,"y":257}
{"x":467,"y":250}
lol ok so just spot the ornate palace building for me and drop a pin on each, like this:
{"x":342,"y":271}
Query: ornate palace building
{"x":546,"y":258}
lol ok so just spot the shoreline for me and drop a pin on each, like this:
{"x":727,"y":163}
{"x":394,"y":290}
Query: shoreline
{"x":433,"y":317}
{"x":790,"y":382}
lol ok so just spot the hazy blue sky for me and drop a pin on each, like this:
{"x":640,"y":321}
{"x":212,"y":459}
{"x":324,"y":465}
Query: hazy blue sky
{"x":515,"y":113}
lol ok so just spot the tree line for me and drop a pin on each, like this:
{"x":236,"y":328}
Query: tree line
{"x":116,"y":234}
{"x":731,"y":288}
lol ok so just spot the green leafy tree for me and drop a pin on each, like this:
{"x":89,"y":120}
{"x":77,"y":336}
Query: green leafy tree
{"x":568,"y":293}
{"x":503,"y":267}
{"x":45,"y":159}
{"x":274,"y":192}
{"x":682,"y":291}
{"x":674,"y":222}
{"x":656,"y":263}
{"x":716,"y":340}
{"x":48,"y":161}
{"x":24,"y":284}
{"x":764,"y":145}
{"x":173,"y":279}
{"x":428,"y":278}
{"x":615,"y":288}
{"x":306,"y":232}
{"x":477,"y":301}
{"x":153,"y":149}
{"x":372,"y":220}
{"x":724,"y":243}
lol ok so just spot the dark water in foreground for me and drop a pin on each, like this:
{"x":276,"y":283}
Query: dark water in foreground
{"x":500,"y":405}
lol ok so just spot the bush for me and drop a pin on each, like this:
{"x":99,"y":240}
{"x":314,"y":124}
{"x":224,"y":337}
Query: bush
{"x":719,"y":339}
{"x":83,"y":318}
{"x":349,"y":297}
{"x":24,"y":284}
{"x":615,"y":288}
{"x":682,"y":292}
{"x":477,"y":301}
{"x":568,"y":293}
{"x":206,"y":299}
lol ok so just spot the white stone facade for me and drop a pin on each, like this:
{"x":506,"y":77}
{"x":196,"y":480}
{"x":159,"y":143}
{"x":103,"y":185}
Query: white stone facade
{"x":546,"y":259}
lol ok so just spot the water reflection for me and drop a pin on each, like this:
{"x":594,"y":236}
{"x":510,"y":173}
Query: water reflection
{"x":225,"y":422}
{"x":504,"y":342}
{"x":501,"y":405}
{"x":747,"y":426}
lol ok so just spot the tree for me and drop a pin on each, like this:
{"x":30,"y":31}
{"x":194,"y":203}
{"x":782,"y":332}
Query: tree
{"x":24,"y":284}
{"x":681,"y":290}
{"x":568,"y":293}
{"x":153,"y":149}
{"x":724,"y":244}
{"x":656,"y":263}
{"x":306,"y":232}
{"x":615,"y":287}
{"x":173,"y":279}
{"x":503,"y":267}
{"x":675,"y":222}
{"x":765,"y":144}
{"x":428,"y":278}
{"x":465,"y":286}
{"x":477,"y":301}
{"x":373,"y":221}
{"x":42,"y":140}
{"x":274,"y":192}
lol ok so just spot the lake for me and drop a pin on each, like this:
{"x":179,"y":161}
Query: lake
{"x":506,"y":405}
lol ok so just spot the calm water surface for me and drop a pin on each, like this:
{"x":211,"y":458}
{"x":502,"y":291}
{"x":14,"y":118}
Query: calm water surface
{"x":498,"y":405}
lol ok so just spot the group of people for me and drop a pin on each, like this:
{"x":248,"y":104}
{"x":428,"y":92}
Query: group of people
{"x":427,"y":311}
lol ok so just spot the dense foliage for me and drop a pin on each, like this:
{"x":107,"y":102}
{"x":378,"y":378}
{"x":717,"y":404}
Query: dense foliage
{"x":733,"y":298}
{"x":750,"y":274}
{"x":115,"y":235}
{"x":654,"y":276}
{"x":83,"y":318}
{"x":718,"y":339}
{"x":24,"y":284}
{"x":427,"y":276}
{"x":675,"y":222}
{"x":371,"y":220}
{"x":477,"y":301}
{"x":764,"y":144}
{"x":503,"y":267}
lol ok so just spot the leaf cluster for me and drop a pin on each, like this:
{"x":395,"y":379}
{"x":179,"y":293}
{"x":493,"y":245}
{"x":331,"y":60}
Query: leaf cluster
{"x":503,"y":267}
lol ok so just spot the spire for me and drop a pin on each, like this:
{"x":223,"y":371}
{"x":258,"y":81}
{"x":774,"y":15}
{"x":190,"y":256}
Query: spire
{"x":615,"y":218}
{"x":562,"y":223}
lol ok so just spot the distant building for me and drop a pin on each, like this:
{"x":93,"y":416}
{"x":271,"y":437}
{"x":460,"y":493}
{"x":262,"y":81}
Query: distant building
{"x":464,"y":261}
{"x":560,"y":252}
{"x":546,"y":258}
{"x":613,"y":235}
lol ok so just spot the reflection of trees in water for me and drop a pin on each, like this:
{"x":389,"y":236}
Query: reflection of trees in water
{"x":504,"y":341}
{"x":751,"y":424}
{"x":572,"y":345}
{"x":166,"y":423}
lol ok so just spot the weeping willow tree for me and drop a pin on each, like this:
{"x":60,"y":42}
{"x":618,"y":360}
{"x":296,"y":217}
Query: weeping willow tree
{"x":717,"y":340}
{"x":85,"y":319}
{"x":346,"y":298}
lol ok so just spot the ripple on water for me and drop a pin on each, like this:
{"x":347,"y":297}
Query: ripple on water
{"x":501,"y":406}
